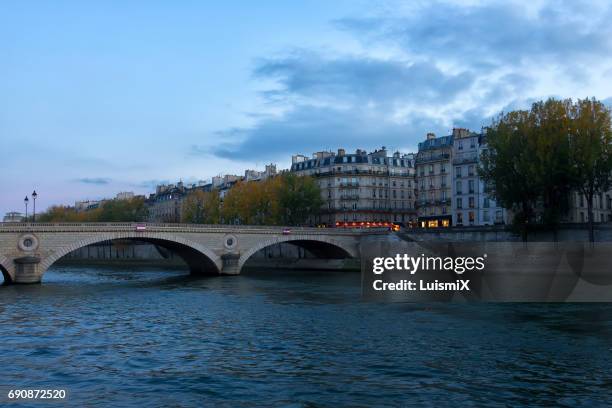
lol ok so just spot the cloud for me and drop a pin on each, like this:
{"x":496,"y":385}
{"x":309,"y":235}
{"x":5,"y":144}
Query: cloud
{"x":497,"y":33}
{"x":311,"y":75}
{"x":94,"y":180}
{"x":307,"y":129}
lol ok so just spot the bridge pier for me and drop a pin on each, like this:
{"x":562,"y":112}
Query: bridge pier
{"x":28,"y":270}
{"x":230,"y":264}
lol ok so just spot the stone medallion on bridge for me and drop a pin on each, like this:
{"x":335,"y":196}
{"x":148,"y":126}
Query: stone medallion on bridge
{"x":28,"y":242}
{"x":230,"y":242}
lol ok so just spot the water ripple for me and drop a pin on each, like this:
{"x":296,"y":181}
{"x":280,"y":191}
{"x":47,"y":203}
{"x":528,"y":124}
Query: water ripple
{"x":151,"y":337}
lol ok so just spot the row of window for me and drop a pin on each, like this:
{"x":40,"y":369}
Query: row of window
{"x":429,"y":169}
{"x":328,"y":161}
{"x":598,"y":201}
{"x":376,"y":205}
{"x":422,"y":171}
{"x":471,"y":171}
{"x":486,"y":217}
{"x":381,"y":193}
{"x":459,"y":143}
{"x":356,"y":181}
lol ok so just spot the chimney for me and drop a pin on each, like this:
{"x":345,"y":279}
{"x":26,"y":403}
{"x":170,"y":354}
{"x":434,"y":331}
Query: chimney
{"x":459,"y":133}
{"x":341,"y":152}
{"x":431,"y":135}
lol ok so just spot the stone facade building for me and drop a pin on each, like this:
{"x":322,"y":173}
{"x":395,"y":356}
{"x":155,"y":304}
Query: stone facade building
{"x":472,"y":205}
{"x":13,"y":216}
{"x":449,"y":189}
{"x":165,"y":205}
{"x":489,"y":210}
{"x":579,"y":213}
{"x":255,"y":175}
{"x":433,"y":188}
{"x":361,"y":187}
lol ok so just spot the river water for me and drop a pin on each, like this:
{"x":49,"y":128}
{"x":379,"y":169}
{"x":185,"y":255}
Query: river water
{"x":145,"y":337}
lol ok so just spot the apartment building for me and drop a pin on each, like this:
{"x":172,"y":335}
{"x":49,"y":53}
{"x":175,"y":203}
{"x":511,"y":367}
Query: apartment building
{"x":433,"y":188}
{"x":578,"y":210}
{"x":361,"y":186}
{"x":472,"y":205}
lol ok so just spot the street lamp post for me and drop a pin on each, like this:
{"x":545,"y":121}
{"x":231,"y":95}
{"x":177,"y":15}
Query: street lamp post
{"x":34,"y":195}
{"x":26,"y":200}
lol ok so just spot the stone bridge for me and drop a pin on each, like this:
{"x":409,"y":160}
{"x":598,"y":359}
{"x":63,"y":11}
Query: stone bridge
{"x":27,"y":250}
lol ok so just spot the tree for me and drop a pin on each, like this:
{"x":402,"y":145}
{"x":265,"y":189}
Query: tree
{"x":537,"y":157}
{"x":200,"y":207}
{"x":286,"y":199}
{"x":59,"y":213}
{"x":251,"y":203}
{"x":132,"y":210}
{"x":508,"y":165}
{"x":550,"y":123}
{"x":591,"y":151}
{"x":299,"y":198}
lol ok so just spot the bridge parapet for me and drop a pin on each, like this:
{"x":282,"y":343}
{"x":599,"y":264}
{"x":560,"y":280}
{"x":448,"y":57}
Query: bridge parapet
{"x":200,"y":228}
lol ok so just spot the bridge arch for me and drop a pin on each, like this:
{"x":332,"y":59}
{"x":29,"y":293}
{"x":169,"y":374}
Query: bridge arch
{"x":321,"y":244}
{"x":4,"y":269}
{"x":200,"y":259}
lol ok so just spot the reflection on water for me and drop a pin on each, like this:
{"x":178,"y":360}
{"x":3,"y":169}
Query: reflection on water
{"x":152,"y":337}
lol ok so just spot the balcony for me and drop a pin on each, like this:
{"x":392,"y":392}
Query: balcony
{"x":350,"y":197}
{"x":349,"y":184}
{"x":432,"y":158}
{"x":465,"y":159}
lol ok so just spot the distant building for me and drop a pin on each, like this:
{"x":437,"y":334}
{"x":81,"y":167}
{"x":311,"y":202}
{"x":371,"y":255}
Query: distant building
{"x":218,"y":181}
{"x":165,"y":205}
{"x":13,"y":216}
{"x":254,"y":175}
{"x":87,"y":205}
{"x":124,"y":195}
{"x":361,"y":186}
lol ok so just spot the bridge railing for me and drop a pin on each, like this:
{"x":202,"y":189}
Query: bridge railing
{"x":176,"y":227}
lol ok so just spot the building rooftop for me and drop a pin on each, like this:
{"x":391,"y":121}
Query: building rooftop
{"x":378,"y":156}
{"x":436,"y":143}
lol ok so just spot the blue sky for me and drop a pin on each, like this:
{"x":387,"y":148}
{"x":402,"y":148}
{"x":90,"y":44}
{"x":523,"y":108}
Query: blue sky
{"x":101,"y":97}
